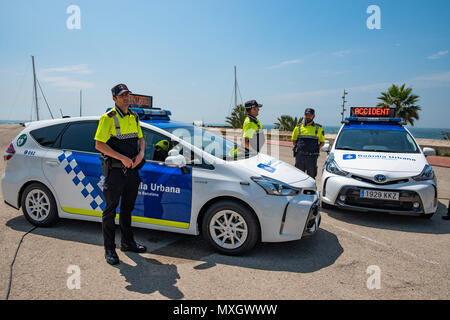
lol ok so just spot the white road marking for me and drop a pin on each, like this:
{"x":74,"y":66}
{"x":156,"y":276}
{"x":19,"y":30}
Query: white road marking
{"x":380,"y":243}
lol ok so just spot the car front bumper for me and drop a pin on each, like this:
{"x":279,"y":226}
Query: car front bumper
{"x":416,"y":198}
{"x":289,"y":218}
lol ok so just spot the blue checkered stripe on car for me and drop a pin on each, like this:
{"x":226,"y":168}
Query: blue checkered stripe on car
{"x":90,"y":193}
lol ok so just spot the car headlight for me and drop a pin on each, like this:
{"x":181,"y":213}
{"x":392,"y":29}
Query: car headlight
{"x":332,"y":167}
{"x":426,"y":174}
{"x":275,"y":187}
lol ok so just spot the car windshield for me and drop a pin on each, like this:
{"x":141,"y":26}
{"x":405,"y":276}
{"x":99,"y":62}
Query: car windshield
{"x":211,"y":143}
{"x":379,"y":140}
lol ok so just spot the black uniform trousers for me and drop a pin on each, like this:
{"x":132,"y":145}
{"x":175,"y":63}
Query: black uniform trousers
{"x":124,"y":187}
{"x":307,"y":163}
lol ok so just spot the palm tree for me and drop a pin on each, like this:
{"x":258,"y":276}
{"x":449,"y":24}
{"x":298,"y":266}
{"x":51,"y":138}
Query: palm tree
{"x":403,"y":101}
{"x":237,"y":118}
{"x":287,"y":123}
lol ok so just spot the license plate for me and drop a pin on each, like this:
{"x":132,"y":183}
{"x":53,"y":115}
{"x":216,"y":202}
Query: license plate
{"x":382,"y":195}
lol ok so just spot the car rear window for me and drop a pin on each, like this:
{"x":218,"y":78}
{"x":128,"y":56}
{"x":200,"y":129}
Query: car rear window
{"x":47,"y":136}
{"x":79,"y":136}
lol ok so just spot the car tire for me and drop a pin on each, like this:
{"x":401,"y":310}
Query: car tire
{"x":230,"y":228}
{"x":426,"y":216}
{"x":324,"y":205}
{"x":39,"y":205}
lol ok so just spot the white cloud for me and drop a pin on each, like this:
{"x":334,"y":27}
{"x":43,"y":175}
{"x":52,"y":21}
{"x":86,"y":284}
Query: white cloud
{"x":285,"y":63}
{"x":438,"y":55}
{"x":310,"y":96}
{"x":62,"y":77}
{"x":75,"y":69}
{"x":436,"y":80}
{"x":342,"y":53}
{"x":67,"y":83}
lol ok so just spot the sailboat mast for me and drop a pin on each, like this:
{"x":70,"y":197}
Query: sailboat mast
{"x":235,"y":87}
{"x":35,"y":89}
{"x":80,"y":102}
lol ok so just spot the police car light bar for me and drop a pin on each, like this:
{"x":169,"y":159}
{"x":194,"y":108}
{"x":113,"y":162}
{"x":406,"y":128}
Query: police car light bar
{"x":359,"y":119}
{"x":140,"y":101}
{"x":385,"y":114}
{"x":372,"y":112}
{"x":152,"y":114}
{"x":143,"y":106}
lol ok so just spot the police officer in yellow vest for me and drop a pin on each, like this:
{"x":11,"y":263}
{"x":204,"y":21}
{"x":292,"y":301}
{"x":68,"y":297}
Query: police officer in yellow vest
{"x":119,"y":138}
{"x":308,"y":138}
{"x":253,"y":135}
{"x":161,"y":150}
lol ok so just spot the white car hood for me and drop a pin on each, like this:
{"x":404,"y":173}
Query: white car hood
{"x":264,"y":165}
{"x":366,"y":163}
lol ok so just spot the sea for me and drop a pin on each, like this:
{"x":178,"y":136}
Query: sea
{"x":423,"y":133}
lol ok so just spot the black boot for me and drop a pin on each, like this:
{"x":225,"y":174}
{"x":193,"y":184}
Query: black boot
{"x":447,"y":217}
{"x":111,"y":257}
{"x":133,"y":247}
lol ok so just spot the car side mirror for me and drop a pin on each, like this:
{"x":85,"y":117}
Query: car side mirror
{"x":326,"y":147}
{"x":175,"y":159}
{"x":429,"y":152}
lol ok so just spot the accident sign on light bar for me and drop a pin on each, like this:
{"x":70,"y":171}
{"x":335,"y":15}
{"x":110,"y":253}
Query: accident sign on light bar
{"x":372,"y":112}
{"x":140,"y":101}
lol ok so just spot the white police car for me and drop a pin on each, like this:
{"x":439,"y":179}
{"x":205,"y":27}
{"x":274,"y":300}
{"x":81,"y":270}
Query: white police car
{"x":375,"y":164}
{"x":53,"y":171}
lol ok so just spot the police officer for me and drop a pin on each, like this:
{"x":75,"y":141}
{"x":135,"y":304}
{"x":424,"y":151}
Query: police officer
{"x":253,"y":135}
{"x":119,"y":138}
{"x":161,"y":150}
{"x":308,"y":138}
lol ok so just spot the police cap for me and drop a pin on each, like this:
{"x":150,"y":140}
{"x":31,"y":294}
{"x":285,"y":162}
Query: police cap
{"x":310,"y":111}
{"x":119,"y":89}
{"x":252,"y":103}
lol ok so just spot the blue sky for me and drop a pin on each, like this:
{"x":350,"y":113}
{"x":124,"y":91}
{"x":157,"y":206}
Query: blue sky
{"x":289,"y":55}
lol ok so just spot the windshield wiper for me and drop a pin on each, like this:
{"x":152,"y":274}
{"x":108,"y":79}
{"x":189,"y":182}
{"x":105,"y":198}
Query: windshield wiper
{"x":346,"y":148}
{"x":376,"y":150}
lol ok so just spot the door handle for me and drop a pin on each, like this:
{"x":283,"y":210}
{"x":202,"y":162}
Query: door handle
{"x":52,"y":163}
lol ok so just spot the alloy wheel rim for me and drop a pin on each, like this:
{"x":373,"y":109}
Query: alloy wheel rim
{"x":228,"y":229}
{"x":37,"y":205}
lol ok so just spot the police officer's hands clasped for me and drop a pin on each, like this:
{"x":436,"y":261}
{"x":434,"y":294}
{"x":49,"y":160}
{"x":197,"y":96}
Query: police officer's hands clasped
{"x":127,"y":162}
{"x":137,"y":160}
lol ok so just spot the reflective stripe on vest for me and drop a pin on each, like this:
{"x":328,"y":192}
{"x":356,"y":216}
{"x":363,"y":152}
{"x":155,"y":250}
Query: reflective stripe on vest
{"x":117,"y":125}
{"x":119,"y":135}
{"x":307,"y":144}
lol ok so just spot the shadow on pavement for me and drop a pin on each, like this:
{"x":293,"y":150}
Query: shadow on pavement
{"x":380,"y":220}
{"x":303,"y":256}
{"x":150,"y":275}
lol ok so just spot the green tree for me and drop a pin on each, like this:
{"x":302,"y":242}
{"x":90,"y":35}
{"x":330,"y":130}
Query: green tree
{"x":287,"y":123}
{"x":237,"y":118}
{"x":404,"y":102}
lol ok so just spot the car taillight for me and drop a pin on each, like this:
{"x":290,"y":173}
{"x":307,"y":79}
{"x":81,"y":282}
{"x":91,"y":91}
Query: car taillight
{"x":9,"y":152}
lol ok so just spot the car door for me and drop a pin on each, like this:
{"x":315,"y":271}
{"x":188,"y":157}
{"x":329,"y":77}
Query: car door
{"x":73,"y":168}
{"x":165,"y":193}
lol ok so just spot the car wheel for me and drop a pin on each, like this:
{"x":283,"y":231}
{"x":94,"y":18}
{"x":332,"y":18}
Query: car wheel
{"x":230,"y":228}
{"x":39,"y":206}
